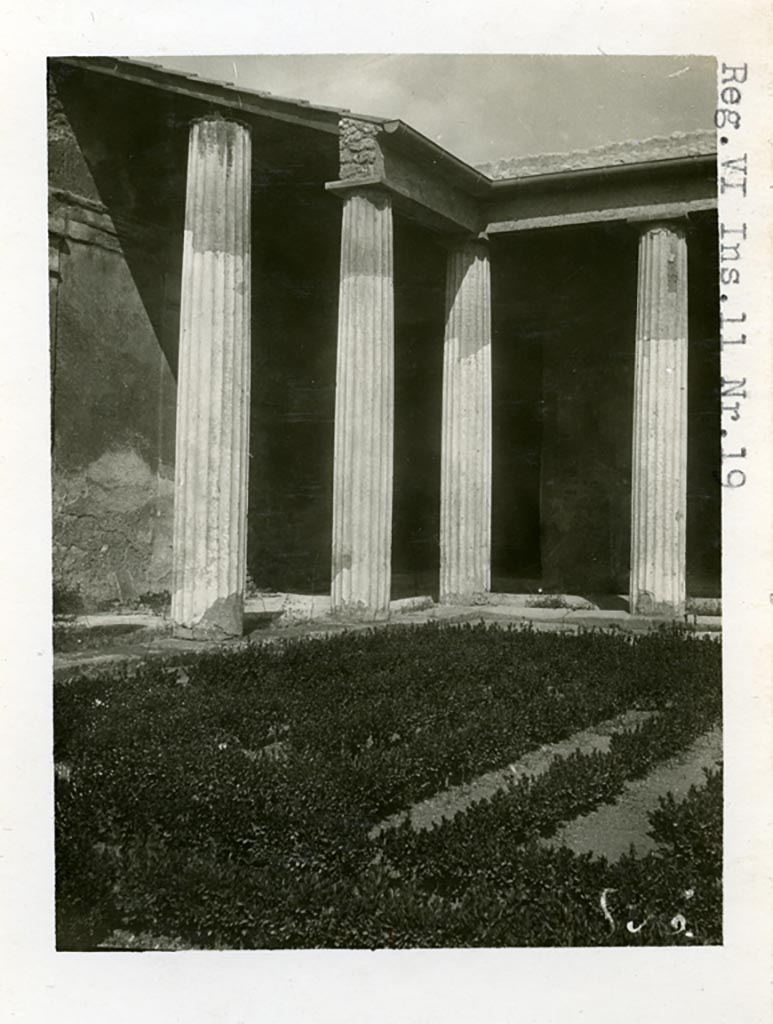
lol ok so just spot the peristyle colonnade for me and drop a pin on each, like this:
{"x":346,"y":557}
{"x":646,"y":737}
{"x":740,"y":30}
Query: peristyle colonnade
{"x":213,"y":402}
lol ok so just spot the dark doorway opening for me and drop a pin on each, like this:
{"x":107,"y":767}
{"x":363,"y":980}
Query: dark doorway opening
{"x":419,"y":326}
{"x":564,"y":323}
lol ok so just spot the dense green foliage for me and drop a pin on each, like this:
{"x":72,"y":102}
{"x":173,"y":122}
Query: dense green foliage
{"x":228,"y":801}
{"x":534,"y":896}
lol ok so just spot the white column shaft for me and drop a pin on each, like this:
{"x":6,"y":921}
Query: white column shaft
{"x":364,"y":411}
{"x":213,"y":386}
{"x":465,"y":487}
{"x":659,"y":470}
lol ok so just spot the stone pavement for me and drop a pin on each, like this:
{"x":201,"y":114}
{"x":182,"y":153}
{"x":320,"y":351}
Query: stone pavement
{"x":278,"y":618}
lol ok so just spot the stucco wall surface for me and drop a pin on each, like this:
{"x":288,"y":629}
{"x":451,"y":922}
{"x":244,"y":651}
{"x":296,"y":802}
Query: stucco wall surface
{"x":113,"y":393}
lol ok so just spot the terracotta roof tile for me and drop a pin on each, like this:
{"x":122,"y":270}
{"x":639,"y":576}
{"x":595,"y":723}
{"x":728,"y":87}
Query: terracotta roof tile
{"x":670,"y":147}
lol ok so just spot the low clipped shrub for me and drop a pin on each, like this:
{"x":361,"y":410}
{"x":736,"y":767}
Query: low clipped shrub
{"x":157,"y":601}
{"x":540,"y":896}
{"x":478,"y":851}
{"x":228,"y":800}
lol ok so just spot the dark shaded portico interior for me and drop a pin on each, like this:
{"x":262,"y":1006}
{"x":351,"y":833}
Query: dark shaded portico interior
{"x":564,"y":308}
{"x":564,"y":322}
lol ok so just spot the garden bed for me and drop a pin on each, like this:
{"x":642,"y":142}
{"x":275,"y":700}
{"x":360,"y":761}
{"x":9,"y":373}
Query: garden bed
{"x":227,"y":803}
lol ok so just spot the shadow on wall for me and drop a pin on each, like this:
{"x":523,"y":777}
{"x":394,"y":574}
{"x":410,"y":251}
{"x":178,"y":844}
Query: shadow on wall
{"x":113,"y":328}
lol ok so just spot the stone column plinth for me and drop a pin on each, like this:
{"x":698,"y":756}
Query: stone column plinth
{"x":364,"y":411}
{"x":213,"y":385}
{"x":465,"y":483}
{"x":659,"y":470}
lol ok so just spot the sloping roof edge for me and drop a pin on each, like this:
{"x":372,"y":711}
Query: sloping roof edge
{"x":225,"y":93}
{"x":662,"y":150}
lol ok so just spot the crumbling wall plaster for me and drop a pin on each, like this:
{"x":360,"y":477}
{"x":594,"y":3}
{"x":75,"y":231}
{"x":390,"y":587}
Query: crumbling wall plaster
{"x":112,"y":524}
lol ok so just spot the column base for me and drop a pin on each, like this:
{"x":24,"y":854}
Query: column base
{"x":224,"y":620}
{"x":359,"y":613}
{"x":478,"y":597}
{"x":645,"y":604}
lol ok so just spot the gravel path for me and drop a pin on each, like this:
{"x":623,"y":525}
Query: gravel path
{"x":445,"y":805}
{"x":612,"y":829}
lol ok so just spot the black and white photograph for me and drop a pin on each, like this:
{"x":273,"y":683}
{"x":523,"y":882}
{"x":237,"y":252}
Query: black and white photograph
{"x":385,"y":487}
{"x":386,"y":503}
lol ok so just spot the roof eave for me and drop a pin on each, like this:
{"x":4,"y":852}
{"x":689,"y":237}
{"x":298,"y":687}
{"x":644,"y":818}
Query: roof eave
{"x":412,"y":141}
{"x":245,"y":101}
{"x":642,"y":167}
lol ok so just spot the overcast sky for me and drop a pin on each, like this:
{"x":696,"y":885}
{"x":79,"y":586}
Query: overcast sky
{"x":486,"y":107}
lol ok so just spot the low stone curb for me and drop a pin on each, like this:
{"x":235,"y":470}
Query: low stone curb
{"x":164,"y":647}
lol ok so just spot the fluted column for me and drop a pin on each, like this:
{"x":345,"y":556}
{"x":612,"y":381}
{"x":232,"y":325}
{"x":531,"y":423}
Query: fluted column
{"x":659,"y":492}
{"x":213,"y":385}
{"x":465,"y":482}
{"x":364,"y":411}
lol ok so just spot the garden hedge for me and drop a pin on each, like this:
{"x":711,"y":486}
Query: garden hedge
{"x":228,"y":801}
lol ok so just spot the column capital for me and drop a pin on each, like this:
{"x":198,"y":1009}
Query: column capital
{"x":475,"y":242}
{"x":677,"y":225}
{"x":673,"y":227}
{"x":370,"y":188}
{"x":218,"y":117}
